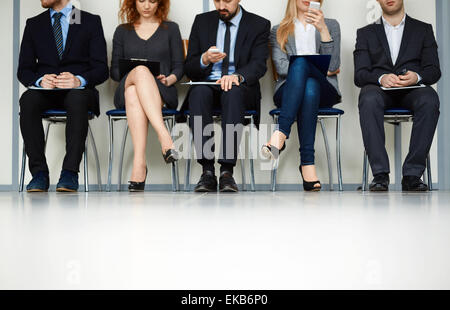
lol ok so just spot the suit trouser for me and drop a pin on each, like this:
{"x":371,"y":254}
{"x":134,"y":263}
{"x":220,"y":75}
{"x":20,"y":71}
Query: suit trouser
{"x":423,"y":102}
{"x":203,"y":100}
{"x":33,"y":103}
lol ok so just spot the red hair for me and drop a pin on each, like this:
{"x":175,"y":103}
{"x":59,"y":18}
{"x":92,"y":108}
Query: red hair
{"x":129,"y":14}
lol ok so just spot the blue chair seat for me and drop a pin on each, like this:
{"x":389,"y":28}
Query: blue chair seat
{"x":398,"y":111}
{"x":322,"y":112}
{"x":219,"y":112}
{"x":55,"y":112}
{"x":122,"y":112}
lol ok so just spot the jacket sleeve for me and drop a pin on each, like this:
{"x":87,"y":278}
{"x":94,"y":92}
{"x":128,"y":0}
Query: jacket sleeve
{"x":430,"y":67}
{"x":257,"y":66}
{"x":98,"y":60}
{"x":117,"y":53}
{"x":364,"y":73}
{"x":333,"y":48}
{"x":26,"y":72}
{"x":280,"y":59}
{"x":192,"y":65}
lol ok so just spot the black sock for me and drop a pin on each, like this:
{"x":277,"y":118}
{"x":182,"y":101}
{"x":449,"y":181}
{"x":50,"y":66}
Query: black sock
{"x":226,"y":167}
{"x":209,"y":167}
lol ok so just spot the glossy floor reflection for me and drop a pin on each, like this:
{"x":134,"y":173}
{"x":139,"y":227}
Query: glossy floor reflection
{"x":284,"y":240}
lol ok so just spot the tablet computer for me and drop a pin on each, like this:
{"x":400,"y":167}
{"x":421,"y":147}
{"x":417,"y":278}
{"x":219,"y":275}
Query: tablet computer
{"x":126,"y":65}
{"x":321,"y":62}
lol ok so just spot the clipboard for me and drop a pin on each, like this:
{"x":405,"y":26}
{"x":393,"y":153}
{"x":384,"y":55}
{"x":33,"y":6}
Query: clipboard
{"x":321,"y":62}
{"x":126,"y":65}
{"x":400,"y":88}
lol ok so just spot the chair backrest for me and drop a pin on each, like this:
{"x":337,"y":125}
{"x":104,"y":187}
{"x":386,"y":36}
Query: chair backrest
{"x":185,"y":47}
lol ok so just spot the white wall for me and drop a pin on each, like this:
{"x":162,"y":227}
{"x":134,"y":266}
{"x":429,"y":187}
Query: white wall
{"x":6,"y":55}
{"x":351,"y":14}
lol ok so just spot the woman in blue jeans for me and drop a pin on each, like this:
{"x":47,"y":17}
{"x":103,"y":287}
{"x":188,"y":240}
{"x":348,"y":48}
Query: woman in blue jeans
{"x":302,"y":88}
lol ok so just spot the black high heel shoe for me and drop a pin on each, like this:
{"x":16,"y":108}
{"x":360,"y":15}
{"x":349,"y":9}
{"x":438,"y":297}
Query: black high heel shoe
{"x":271,"y":152}
{"x":310,"y":186}
{"x":138,"y":186}
{"x":171,"y":156}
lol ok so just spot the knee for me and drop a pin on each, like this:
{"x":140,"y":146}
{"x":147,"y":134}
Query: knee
{"x":299,"y":63}
{"x":371,"y":99}
{"x":131,"y":96}
{"x":312,"y":89}
{"x":28,"y":102}
{"x":77,"y":101}
{"x":199,"y":96}
{"x":427,"y":101}
{"x":141,"y":72}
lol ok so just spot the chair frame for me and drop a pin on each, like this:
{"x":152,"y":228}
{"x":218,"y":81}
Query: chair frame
{"x":396,"y":120}
{"x":170,"y":122}
{"x":55,"y":120}
{"x":187,"y":182}
{"x":320,"y":120}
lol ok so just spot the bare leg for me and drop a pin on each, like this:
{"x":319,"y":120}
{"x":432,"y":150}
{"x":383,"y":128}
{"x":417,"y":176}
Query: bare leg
{"x":151,"y":103}
{"x":138,"y":124}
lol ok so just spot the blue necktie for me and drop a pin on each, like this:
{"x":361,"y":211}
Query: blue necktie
{"x":57,"y":31}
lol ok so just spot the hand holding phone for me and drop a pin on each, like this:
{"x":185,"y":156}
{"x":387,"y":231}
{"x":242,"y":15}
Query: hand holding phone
{"x":315,"y":6}
{"x":212,"y":55}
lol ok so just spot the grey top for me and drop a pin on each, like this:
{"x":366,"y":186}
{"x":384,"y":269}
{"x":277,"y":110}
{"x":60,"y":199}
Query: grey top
{"x":164,"y":46}
{"x":333,"y":48}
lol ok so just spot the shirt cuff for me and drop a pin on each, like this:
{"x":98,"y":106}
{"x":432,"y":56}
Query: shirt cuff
{"x":202,"y":65}
{"x":38,"y":82}
{"x":381,"y":77}
{"x":419,"y":78}
{"x":82,"y":80}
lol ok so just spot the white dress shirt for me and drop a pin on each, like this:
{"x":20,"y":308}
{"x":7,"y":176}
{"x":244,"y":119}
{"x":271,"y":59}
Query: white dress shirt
{"x":394,"y":35}
{"x":305,"y":38}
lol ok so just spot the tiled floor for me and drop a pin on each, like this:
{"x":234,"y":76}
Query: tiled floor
{"x":286,"y":240}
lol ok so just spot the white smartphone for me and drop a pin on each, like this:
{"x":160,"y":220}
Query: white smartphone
{"x":314,"y":5}
{"x":214,"y":50}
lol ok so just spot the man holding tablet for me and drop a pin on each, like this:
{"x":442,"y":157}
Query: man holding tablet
{"x":392,"y":57}
{"x":228,"y":46}
{"x":62,"y":58}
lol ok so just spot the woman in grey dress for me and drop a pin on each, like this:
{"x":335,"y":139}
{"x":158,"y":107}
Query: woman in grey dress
{"x":146,"y":34}
{"x":302,"y":88}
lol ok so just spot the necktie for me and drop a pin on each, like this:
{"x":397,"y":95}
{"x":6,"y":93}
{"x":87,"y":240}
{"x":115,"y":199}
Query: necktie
{"x":227,"y":43}
{"x":57,"y":31}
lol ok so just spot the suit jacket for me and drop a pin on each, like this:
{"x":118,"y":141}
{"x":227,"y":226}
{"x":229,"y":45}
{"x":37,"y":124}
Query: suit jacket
{"x":333,"y":48}
{"x":85,"y":52}
{"x":251,"y":50}
{"x":418,"y":53}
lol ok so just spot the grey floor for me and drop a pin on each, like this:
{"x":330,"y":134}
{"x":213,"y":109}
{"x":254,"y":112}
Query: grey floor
{"x":286,"y":240}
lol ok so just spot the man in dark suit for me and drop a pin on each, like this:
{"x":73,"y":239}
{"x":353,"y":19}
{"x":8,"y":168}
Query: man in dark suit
{"x":241,"y":39}
{"x":397,"y":51}
{"x":62,"y":48}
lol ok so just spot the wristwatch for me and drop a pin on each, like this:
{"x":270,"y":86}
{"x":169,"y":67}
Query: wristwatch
{"x":240,"y":77}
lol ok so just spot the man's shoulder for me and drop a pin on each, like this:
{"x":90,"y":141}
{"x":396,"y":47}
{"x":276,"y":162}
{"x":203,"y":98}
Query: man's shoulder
{"x":39,"y":18}
{"x":418,"y":23}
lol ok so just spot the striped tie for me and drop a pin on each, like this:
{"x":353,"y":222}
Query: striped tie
{"x":57,"y":31}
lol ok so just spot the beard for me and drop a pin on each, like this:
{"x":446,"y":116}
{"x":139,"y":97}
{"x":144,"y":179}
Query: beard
{"x":48,"y":4}
{"x":226,"y":16}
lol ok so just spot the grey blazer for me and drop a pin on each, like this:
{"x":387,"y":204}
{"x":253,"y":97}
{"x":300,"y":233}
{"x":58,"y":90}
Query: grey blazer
{"x":333,"y":48}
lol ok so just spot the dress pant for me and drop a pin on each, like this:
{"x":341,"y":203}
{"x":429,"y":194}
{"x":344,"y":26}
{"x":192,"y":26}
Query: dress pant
{"x":203,"y":100}
{"x":423,"y":102}
{"x":33,"y":103}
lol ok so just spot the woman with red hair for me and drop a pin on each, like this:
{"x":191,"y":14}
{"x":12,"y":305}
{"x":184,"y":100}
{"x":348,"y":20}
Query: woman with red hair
{"x":147,"y":34}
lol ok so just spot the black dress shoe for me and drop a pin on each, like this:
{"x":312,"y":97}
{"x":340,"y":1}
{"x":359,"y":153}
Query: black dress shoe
{"x":207,"y":183}
{"x":227,"y":183}
{"x":380,"y":183}
{"x":413,"y":184}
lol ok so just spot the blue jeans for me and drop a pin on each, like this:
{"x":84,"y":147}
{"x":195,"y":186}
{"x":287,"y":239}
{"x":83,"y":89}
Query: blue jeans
{"x":305,"y":90}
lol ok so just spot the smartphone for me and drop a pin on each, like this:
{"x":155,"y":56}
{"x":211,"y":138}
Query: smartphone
{"x":313,"y":5}
{"x":214,"y":50}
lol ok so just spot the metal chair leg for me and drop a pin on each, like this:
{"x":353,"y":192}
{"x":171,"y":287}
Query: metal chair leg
{"x":275,"y":165}
{"x":46,"y":134}
{"x":168,"y":123}
{"x":94,"y":149}
{"x":327,"y":148}
{"x":365,"y":179}
{"x":250,"y":153}
{"x":111,"y":152}
{"x":175,"y":164}
{"x":187,"y":176}
{"x":338,"y":153}
{"x":430,"y":179}
{"x":86,"y":173}
{"x":122,"y":151}
{"x":244,"y":180}
{"x":22,"y":170}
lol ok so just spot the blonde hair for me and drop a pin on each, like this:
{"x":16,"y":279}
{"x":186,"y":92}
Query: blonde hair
{"x":287,"y":25}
